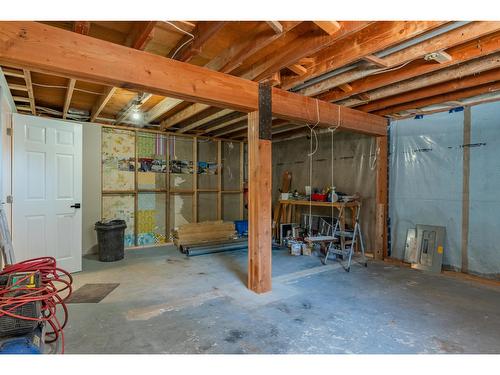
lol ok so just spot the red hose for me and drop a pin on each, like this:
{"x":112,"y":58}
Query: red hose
{"x":54,"y":281}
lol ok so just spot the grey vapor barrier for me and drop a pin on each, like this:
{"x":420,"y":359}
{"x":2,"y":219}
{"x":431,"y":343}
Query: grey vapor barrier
{"x":354,"y":170}
{"x":484,"y":197}
{"x":426,"y":170}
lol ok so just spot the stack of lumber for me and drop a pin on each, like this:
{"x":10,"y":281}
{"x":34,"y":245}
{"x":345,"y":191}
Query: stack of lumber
{"x":206,"y":231}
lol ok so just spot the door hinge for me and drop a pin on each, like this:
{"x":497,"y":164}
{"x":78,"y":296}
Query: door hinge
{"x":10,"y":199}
{"x":9,"y":131}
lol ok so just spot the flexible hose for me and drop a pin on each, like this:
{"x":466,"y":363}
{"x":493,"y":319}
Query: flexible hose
{"x":54,"y":282}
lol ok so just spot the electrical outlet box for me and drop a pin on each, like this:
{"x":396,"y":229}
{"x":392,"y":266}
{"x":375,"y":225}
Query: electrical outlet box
{"x":430,"y":247}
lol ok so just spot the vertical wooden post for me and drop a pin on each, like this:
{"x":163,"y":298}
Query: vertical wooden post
{"x":219,"y":180}
{"x":195,"y":180}
{"x":259,"y":199}
{"x":465,"y":190}
{"x":382,"y":200}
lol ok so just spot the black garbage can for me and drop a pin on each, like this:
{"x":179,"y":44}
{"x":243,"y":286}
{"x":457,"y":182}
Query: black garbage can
{"x":110,"y":239}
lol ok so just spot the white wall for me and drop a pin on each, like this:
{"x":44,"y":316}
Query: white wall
{"x":91,"y":189}
{"x":5,"y":149}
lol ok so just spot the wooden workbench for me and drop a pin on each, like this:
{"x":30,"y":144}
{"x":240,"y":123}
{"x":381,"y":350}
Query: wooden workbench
{"x":288,"y":212}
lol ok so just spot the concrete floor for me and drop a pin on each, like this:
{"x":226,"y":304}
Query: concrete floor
{"x":168,"y":303}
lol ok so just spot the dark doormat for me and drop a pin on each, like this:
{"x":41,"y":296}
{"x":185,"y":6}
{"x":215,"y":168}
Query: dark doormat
{"x":91,"y":293}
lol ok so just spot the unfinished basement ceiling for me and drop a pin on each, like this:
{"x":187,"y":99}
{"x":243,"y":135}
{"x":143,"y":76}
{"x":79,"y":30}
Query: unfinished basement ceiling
{"x":391,"y":68}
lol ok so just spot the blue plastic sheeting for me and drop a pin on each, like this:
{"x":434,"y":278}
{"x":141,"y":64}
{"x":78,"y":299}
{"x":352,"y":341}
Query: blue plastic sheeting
{"x":426,"y":184}
{"x":426,"y":180}
{"x":484,"y":187}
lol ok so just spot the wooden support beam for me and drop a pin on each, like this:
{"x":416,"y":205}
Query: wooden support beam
{"x":29,"y":87}
{"x":259,"y":195}
{"x":276,"y":26}
{"x":49,"y":49}
{"x":382,"y":199}
{"x":329,"y":27}
{"x":371,"y":39}
{"x":101,"y":103}
{"x":362,"y":80}
{"x":69,"y":95}
{"x":203,"y":33}
{"x":377,"y":61}
{"x":444,"y":98}
{"x":81,"y":27}
{"x":141,"y":34}
{"x":441,"y":87}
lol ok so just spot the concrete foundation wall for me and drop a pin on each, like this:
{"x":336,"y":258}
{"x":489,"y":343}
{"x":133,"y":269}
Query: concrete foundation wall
{"x":353,"y":171}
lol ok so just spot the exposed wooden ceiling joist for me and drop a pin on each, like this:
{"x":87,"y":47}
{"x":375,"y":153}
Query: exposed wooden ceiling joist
{"x":159,"y":109}
{"x":69,"y":95}
{"x":81,"y":27}
{"x":101,"y":102}
{"x":9,"y":72}
{"x":141,"y":34}
{"x":29,"y":86}
{"x":234,"y":56}
{"x":329,"y":27}
{"x":377,"y":61}
{"x":361,"y":81}
{"x":203,"y":32}
{"x":276,"y":26}
{"x":374,"y":38}
{"x":183,"y":115}
{"x":48,"y":49}
{"x":301,"y":47}
{"x":458,"y":71}
{"x":204,"y":120}
{"x":489,"y":88}
{"x":456,"y":84}
{"x":214,"y":127}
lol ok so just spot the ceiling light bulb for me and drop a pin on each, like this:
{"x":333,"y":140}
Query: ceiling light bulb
{"x":136,"y":116}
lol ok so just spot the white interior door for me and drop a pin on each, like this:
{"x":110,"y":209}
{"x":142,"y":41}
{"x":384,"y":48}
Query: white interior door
{"x":47,"y":183}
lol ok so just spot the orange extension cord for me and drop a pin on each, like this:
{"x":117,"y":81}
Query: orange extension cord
{"x":54,"y":282}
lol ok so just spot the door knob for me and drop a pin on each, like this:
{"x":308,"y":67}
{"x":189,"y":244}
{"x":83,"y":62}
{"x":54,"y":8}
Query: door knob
{"x":76,"y":205}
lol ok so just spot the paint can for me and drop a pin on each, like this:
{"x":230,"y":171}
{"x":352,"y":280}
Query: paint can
{"x":296,"y":248}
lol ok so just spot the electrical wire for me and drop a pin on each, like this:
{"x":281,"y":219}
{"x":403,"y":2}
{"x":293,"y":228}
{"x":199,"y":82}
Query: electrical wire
{"x":184,"y":32}
{"x":311,"y":154}
{"x":64,"y":87}
{"x":50,"y":294}
{"x":332,"y":130}
{"x":392,"y":69}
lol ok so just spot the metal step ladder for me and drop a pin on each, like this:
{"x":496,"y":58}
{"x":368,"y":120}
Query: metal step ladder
{"x":346,"y":241}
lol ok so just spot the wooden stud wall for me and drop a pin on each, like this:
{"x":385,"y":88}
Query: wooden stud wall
{"x":194,"y":191}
